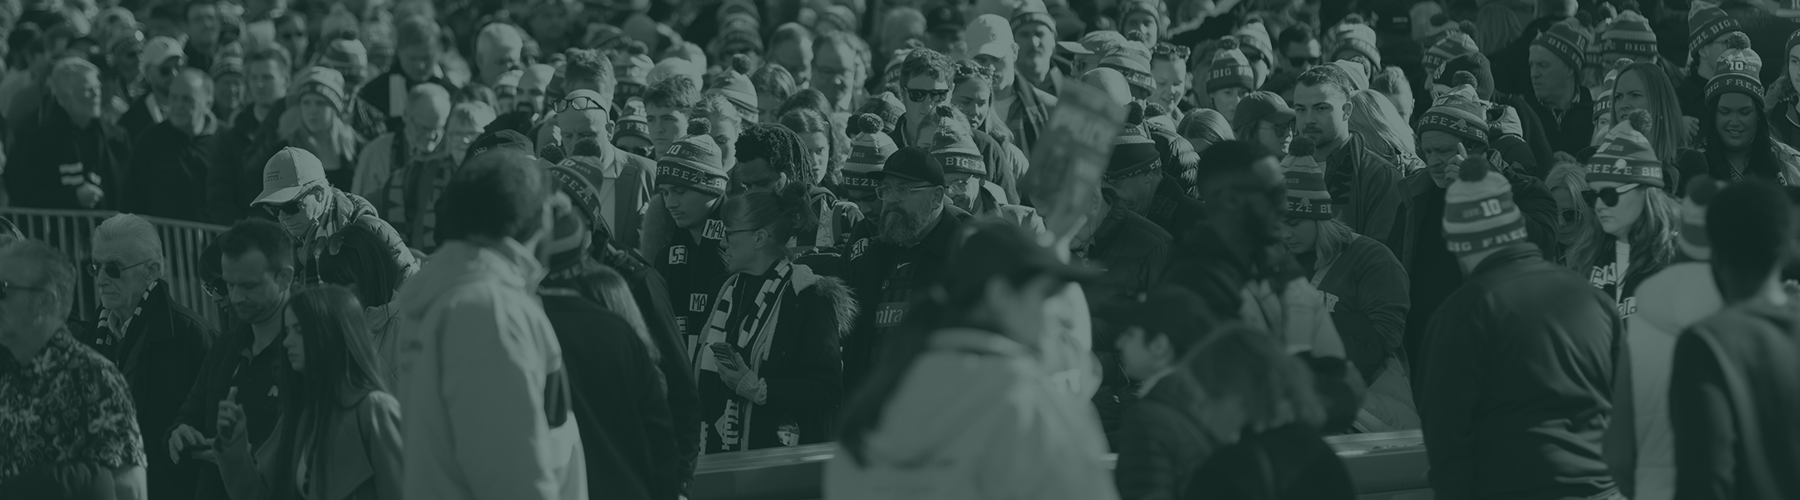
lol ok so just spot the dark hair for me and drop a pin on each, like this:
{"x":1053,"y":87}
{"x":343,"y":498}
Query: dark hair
{"x":1227,"y":158}
{"x":1298,"y":33}
{"x":774,"y":80}
{"x":784,"y":214}
{"x":362,"y":262}
{"x":1751,"y":228}
{"x":781,"y":147}
{"x":588,"y":65}
{"x":339,"y":357}
{"x":677,"y":92}
{"x":925,"y":62}
{"x":497,"y":194}
{"x":1243,"y":369}
{"x":262,"y":236}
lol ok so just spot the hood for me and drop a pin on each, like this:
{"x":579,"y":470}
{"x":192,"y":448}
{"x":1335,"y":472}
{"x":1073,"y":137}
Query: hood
{"x":1678,"y":297}
{"x":926,"y":419}
{"x":506,"y":264}
{"x":843,"y":302}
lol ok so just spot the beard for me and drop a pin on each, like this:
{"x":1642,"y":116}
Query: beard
{"x":903,"y":227}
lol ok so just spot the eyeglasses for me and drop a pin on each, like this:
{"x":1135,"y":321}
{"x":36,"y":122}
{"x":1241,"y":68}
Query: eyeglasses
{"x":927,"y":95}
{"x":578,"y":103}
{"x":292,"y":207}
{"x":1609,"y":195}
{"x":114,"y":269}
{"x":6,"y":289}
{"x":891,"y":192}
{"x":1166,"y":49}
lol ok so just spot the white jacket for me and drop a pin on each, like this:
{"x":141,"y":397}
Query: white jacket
{"x":476,"y":350}
{"x":1668,"y":302}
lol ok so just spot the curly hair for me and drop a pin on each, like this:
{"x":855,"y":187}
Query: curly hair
{"x":781,"y":147}
{"x":925,"y":62}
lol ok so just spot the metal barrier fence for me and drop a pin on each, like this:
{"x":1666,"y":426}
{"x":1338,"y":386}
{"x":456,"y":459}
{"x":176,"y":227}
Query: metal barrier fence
{"x":72,"y":232}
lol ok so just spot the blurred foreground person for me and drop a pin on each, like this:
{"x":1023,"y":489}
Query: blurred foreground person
{"x":956,"y":378}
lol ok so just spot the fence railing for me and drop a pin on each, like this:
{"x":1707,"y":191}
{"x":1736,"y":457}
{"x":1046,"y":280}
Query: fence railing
{"x":72,"y":232}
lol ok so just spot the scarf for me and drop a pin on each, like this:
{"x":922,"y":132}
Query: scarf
{"x":752,"y":336}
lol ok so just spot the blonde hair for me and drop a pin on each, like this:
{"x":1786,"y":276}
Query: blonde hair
{"x":1375,"y":116}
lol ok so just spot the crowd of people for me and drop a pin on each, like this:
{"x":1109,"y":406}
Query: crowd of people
{"x":556,"y":249}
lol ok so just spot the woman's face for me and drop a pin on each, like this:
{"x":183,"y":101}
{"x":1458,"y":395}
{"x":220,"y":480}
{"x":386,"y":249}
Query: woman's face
{"x":1618,"y":219}
{"x":1629,"y":93}
{"x":1735,"y":120}
{"x":317,"y":113}
{"x":819,"y":146}
{"x":295,"y":342}
{"x":1274,"y":136}
{"x":1571,"y":219}
{"x":1019,"y":311}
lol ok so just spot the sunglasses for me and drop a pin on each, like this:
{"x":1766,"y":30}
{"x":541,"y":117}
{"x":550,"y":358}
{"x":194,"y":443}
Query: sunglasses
{"x":113,"y":269}
{"x":927,"y":95}
{"x":581,"y":103}
{"x":6,"y":289}
{"x":1609,"y":195}
{"x":292,"y":207}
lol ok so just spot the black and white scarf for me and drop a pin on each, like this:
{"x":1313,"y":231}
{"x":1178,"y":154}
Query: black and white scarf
{"x":752,"y":337}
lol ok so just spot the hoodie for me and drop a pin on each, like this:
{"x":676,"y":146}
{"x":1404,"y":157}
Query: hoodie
{"x":478,"y":359}
{"x":1668,"y":303}
{"x":977,"y":416}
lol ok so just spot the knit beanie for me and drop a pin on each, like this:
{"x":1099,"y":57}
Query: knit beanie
{"x":736,"y":87}
{"x":868,"y":151}
{"x":1306,"y":194}
{"x":1454,"y":44}
{"x":1358,"y":38}
{"x":1479,"y":212}
{"x":1706,"y":22}
{"x":1700,"y":193}
{"x":1567,"y":40}
{"x":1629,"y":34}
{"x":1460,"y":112}
{"x":1625,"y":155}
{"x":1229,"y":69}
{"x":693,"y":162}
{"x":1737,"y":71}
{"x":1132,"y":154}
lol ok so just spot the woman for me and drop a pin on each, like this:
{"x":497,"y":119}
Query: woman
{"x":1261,"y":401}
{"x":1576,"y":225}
{"x":315,"y":121}
{"x":1204,"y":127}
{"x":1386,"y":128}
{"x":1638,"y":218}
{"x":959,"y":374}
{"x":1738,"y":140}
{"x":338,"y":435}
{"x":767,"y":364}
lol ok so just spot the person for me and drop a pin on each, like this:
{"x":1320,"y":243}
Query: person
{"x":154,"y":341}
{"x":1164,"y":436}
{"x":420,"y":138}
{"x":1265,"y":118}
{"x":1638,"y":219}
{"x":1387,"y":131}
{"x":162,"y":59}
{"x":1363,"y":182}
{"x":1025,"y":109}
{"x":338,"y":429}
{"x":171,"y":159}
{"x":1729,"y":402}
{"x":889,"y":263}
{"x":67,"y":404}
{"x":1365,"y":291}
{"x":966,"y":355}
{"x":296,"y":193}
{"x":1544,"y":341}
{"x":69,"y":133}
{"x":1144,"y":186}
{"x":1032,"y":24}
{"x":1739,"y":140}
{"x":1555,"y":61}
{"x":231,"y":186}
{"x":418,"y":39}
{"x":257,"y":263}
{"x":316,"y":119}
{"x":480,"y":366}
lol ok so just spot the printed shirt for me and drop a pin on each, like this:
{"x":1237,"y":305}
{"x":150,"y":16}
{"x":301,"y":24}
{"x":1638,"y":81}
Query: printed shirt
{"x":67,"y":404}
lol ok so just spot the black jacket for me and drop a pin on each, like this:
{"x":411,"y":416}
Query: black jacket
{"x":236,"y":176}
{"x":1734,"y":395}
{"x":1518,"y":371}
{"x":885,"y":278}
{"x":169,"y":170}
{"x":160,"y":355}
{"x":53,"y":157}
{"x":618,"y":398}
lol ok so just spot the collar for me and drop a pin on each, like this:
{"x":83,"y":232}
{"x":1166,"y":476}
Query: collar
{"x":1507,"y":256}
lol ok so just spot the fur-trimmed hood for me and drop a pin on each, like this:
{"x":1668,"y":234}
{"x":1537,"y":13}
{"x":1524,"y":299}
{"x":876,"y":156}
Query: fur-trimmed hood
{"x":843,"y":302}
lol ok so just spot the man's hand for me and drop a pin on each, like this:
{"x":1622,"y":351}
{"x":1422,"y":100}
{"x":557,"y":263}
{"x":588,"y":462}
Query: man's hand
{"x":89,"y":195}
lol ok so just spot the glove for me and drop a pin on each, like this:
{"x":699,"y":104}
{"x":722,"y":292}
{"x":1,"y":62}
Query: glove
{"x":1509,"y":122}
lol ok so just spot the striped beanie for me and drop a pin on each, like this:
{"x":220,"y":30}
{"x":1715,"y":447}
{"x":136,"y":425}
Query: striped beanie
{"x":1229,"y":69}
{"x":693,"y":162}
{"x":1737,"y":71}
{"x":1479,"y":212}
{"x":1567,"y":40}
{"x":1358,"y":38}
{"x":868,"y":151}
{"x":1306,"y":194}
{"x":1452,"y":45}
{"x":1132,"y":154}
{"x":956,"y":151}
{"x":734,"y":84}
{"x":1706,"y":22}
{"x":1693,"y":239}
{"x":1459,"y":112}
{"x":1630,"y":34}
{"x":1625,"y":156}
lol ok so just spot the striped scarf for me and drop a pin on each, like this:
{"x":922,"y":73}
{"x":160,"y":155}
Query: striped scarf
{"x":755,"y":333}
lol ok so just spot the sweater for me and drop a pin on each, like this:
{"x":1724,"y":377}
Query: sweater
{"x":618,"y":398}
{"x":1734,"y":396}
{"x":168,"y":172}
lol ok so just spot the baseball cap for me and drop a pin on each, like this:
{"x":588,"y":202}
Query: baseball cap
{"x":912,"y":163}
{"x":989,"y":35}
{"x":160,"y":49}
{"x":991,"y":247}
{"x":944,"y":19}
{"x":1262,"y":105}
{"x":288,"y":174}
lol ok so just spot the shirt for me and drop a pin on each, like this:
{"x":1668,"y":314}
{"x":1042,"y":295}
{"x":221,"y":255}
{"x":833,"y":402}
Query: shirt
{"x":67,"y":404}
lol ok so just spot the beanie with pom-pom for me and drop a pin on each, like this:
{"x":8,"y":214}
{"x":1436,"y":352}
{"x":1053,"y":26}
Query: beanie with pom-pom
{"x":1567,"y":40}
{"x":1307,"y":197}
{"x":1459,"y":112}
{"x":1230,"y":69}
{"x":1625,"y":155}
{"x":1738,"y":70}
{"x":734,"y":83}
{"x":694,"y":161}
{"x":1479,"y":212}
{"x":868,"y":151}
{"x":1700,"y":192}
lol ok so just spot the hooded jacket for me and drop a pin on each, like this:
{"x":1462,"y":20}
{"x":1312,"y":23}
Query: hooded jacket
{"x":1643,"y":460}
{"x":952,"y":431}
{"x":1733,"y":389}
{"x":169,"y":170}
{"x":478,"y":368}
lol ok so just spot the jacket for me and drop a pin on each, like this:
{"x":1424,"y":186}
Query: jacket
{"x":362,"y":463}
{"x":160,"y":354}
{"x":479,"y":363}
{"x":346,"y":210}
{"x":1518,"y":372}
{"x":885,"y":278}
{"x":618,"y":399}
{"x":951,"y":431}
{"x":1163,"y":440}
{"x":1364,"y":185}
{"x":1289,"y":463}
{"x":1733,"y":390}
{"x":237,"y":166}
{"x":1643,"y":457}
{"x":1365,"y":291}
{"x":1029,"y":112}
{"x":168,"y":172}
{"x":52,"y":158}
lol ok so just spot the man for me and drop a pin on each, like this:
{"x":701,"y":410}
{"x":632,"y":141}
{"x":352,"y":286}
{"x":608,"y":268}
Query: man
{"x":257,"y":259}
{"x":163,"y":58}
{"x":621,"y":178}
{"x":351,"y":58}
{"x":669,"y":104}
{"x":203,"y":28}
{"x":840,"y":64}
{"x":415,"y":63}
{"x":497,"y":50}
{"x":1136,"y":174}
{"x":231,"y":186}
{"x":1025,"y":108}
{"x":1163,"y":436}
{"x":66,"y":404}
{"x":171,"y":160}
{"x":157,"y":344}
{"x":906,"y":250}
{"x":926,"y":78}
{"x":483,"y":382}
{"x":427,"y":112}
{"x":68,"y":158}
{"x":1732,"y":386}
{"x":1031,"y":23}
{"x":690,"y":183}
{"x":1555,"y":59}
{"x":407,"y":197}
{"x":1519,"y":360}
{"x":1358,"y":179}
{"x":313,"y":212}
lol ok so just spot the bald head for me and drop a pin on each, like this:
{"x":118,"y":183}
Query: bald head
{"x":427,"y":109}
{"x":584,"y":124}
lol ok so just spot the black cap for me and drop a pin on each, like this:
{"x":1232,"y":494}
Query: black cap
{"x":993,"y":247}
{"x":945,"y":19}
{"x":1170,"y":310}
{"x":504,"y":138}
{"x":914,"y":164}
